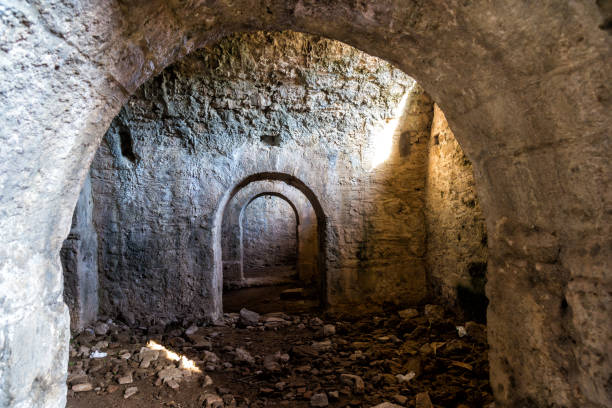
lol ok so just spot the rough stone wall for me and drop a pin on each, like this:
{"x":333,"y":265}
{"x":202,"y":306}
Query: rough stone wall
{"x":270,"y":238}
{"x":456,"y":231}
{"x":288,"y":102}
{"x":387,"y":237}
{"x":525,"y":87}
{"x":79,"y":257}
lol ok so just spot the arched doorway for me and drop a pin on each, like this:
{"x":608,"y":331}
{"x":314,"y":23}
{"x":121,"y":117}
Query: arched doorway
{"x":270,"y":238}
{"x":527,"y":163}
{"x":242,"y":268}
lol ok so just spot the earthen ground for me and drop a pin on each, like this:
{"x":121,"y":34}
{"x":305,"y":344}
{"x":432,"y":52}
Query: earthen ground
{"x":453,"y":370}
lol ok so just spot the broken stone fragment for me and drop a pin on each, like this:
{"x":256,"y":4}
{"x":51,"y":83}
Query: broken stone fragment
{"x":82,"y":387}
{"x":101,"y":329}
{"x":229,"y":401}
{"x":408,"y":314}
{"x":401,"y":378}
{"x":305,"y":351}
{"x":212,"y":400}
{"x":356,"y":355}
{"x":129,"y":392}
{"x":329,"y":330}
{"x":284,"y":357}
{"x":322,"y":345}
{"x":461,"y":332}
{"x":207,"y":382}
{"x":200,"y":342}
{"x":101,"y":345}
{"x":360,"y":344}
{"x":462,"y":365}
{"x":249,"y":318}
{"x":210,"y":357}
{"x":125,"y":379}
{"x":271,"y":363}
{"x":354,"y":381}
{"x":77,"y":377}
{"x":387,"y":405}
{"x":274,"y":321}
{"x":434,"y":312}
{"x":319,"y":400}
{"x":422,"y":400}
{"x":241,"y":355}
{"x":146,"y":356}
{"x":170,"y":373}
{"x":316,"y":322}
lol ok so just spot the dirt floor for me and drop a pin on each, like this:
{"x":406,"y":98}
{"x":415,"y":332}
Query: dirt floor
{"x":295,"y":358}
{"x":268,"y":299}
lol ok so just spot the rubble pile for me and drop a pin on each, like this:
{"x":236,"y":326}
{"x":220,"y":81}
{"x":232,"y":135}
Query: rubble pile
{"x":413,"y":358}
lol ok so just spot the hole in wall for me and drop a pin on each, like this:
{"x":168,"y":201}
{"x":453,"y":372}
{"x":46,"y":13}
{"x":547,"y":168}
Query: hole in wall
{"x":271,"y":140}
{"x":127,"y":144}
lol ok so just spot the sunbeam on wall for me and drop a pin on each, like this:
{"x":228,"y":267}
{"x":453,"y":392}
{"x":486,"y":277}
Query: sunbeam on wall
{"x":382,"y":140}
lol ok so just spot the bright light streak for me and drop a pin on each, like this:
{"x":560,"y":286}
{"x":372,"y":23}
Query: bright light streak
{"x":185,"y":363}
{"x":383,"y":141}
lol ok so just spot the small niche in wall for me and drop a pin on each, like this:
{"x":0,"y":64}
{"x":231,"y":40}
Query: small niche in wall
{"x":127,"y":144}
{"x":404,"y":144}
{"x":271,"y":140}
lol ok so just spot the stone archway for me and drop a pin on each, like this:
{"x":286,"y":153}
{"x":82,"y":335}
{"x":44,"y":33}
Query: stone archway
{"x":279,"y":217}
{"x":533,"y":116}
{"x":312,"y":264}
{"x":232,"y":230}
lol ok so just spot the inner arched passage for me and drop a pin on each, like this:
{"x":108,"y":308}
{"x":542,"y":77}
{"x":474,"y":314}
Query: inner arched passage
{"x":269,"y":226}
{"x":243,"y":267}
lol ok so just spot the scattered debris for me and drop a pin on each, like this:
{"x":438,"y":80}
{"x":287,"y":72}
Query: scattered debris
{"x":129,"y":392}
{"x":82,"y":387}
{"x":97,"y":354}
{"x":409,"y":358}
{"x":461,"y":332}
{"x":405,"y":378}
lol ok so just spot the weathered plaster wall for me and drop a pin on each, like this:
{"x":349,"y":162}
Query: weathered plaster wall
{"x":285,"y":102}
{"x":270,"y":238}
{"x":525,"y":87}
{"x":456,"y":231}
{"x":79,"y":257}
